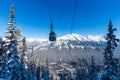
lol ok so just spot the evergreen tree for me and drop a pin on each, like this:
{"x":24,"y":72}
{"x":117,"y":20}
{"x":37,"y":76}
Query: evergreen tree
{"x":119,"y":69}
{"x":19,"y":34}
{"x":46,"y":72}
{"x":24,"y":50}
{"x":24,"y":61}
{"x":92,"y":70}
{"x":32,"y":67}
{"x":38,"y":69}
{"x":5,"y":74}
{"x":82,"y":73}
{"x":111,"y":65}
{"x":38,"y":73}
{"x":19,"y":40}
{"x":1,"y":55}
{"x":47,"y":75}
{"x":11,"y":67}
{"x":1,"y":47}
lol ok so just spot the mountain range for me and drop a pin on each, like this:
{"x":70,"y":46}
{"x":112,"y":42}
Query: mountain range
{"x":71,"y":47}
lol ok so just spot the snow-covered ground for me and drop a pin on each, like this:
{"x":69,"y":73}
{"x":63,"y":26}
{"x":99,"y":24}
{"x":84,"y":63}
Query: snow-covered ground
{"x":70,"y":47}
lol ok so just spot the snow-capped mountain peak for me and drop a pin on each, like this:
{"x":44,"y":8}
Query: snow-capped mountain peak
{"x":96,"y":38}
{"x":72,"y":36}
{"x":78,"y":37}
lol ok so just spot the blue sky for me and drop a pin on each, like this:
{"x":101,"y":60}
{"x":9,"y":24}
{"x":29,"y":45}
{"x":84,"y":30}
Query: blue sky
{"x":32,"y":16}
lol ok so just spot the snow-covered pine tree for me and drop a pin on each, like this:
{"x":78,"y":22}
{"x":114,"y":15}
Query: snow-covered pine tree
{"x":19,"y":34}
{"x":119,"y":69}
{"x":1,"y":46}
{"x":24,"y":60}
{"x":11,"y":69}
{"x":111,"y":65}
{"x":1,"y":55}
{"x":46,"y":72}
{"x":32,"y":67}
{"x":92,"y":70}
{"x":19,"y":39}
{"x":42,"y":72}
{"x":38,"y":69}
{"x":82,"y":73}
{"x":24,"y":50}
{"x":38,"y":73}
{"x":4,"y":73}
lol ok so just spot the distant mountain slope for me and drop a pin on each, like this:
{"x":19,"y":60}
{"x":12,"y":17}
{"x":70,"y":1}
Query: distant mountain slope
{"x":70,"y":47}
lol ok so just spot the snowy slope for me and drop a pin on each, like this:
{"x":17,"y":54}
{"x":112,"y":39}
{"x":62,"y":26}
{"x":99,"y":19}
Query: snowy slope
{"x":69,"y":47}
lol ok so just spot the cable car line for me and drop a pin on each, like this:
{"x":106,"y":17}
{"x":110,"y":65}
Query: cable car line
{"x":72,"y":25}
{"x":49,"y":11}
{"x":74,"y":15}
